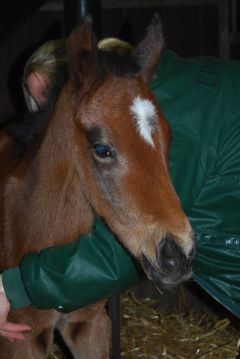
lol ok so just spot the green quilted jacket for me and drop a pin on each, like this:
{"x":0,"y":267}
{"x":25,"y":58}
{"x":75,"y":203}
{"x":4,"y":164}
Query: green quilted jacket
{"x":200,"y":99}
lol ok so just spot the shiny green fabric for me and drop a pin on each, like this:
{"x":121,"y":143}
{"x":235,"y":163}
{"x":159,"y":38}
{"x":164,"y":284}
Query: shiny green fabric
{"x":83,"y":272}
{"x":200,"y":99}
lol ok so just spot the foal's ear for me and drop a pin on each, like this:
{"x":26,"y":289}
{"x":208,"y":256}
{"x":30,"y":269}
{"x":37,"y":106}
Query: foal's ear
{"x":82,"y":54}
{"x":148,"y":52}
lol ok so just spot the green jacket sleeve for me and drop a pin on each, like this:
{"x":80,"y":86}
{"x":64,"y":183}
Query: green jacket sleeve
{"x":74,"y":275}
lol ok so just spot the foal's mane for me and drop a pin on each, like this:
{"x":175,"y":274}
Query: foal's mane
{"x":31,"y":128}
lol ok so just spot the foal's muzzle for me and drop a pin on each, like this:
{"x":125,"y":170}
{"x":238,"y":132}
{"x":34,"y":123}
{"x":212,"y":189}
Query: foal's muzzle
{"x":173,"y":265}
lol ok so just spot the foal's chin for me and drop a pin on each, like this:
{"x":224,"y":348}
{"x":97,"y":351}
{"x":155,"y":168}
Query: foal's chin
{"x":166,"y":279}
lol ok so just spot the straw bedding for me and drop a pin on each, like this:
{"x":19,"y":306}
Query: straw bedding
{"x":149,"y":332}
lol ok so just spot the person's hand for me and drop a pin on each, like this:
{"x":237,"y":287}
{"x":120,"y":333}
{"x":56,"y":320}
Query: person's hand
{"x":11,"y":331}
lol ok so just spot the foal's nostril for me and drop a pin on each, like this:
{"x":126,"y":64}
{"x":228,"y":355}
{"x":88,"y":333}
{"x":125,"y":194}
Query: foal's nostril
{"x":170,"y":256}
{"x":193,"y":252}
{"x":170,"y":263}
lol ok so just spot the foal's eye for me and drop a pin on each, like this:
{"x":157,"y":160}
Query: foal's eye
{"x":102,"y":151}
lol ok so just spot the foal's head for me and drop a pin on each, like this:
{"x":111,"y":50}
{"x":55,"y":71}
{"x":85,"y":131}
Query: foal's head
{"x":123,"y":144}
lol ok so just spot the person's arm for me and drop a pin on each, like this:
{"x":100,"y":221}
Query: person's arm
{"x":72,"y":276}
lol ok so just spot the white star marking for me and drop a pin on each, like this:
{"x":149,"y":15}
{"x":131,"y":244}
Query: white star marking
{"x":145,"y":115}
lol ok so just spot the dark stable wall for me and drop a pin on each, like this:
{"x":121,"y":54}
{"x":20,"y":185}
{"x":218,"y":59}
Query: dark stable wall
{"x":189,"y":30}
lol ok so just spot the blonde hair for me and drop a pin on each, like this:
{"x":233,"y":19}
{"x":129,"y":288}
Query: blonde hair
{"x":51,"y":57}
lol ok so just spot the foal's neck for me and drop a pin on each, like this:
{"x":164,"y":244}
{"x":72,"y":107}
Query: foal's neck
{"x":44,"y":201}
